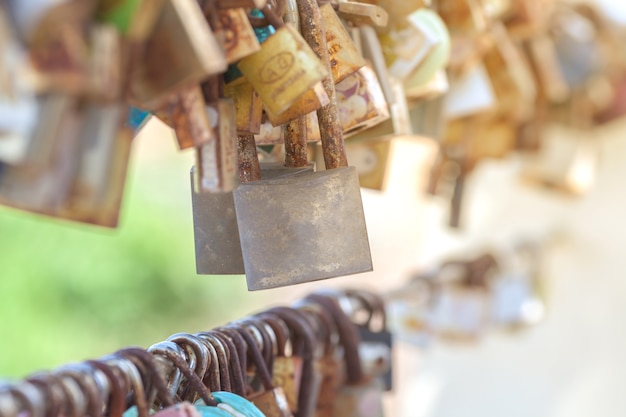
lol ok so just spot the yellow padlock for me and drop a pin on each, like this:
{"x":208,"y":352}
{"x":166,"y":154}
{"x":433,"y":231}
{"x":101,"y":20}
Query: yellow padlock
{"x":284,"y":69}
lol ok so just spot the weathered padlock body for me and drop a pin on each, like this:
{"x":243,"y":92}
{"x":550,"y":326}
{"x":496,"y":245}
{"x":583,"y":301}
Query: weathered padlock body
{"x":249,"y":109}
{"x":216,"y":234}
{"x":308,"y":102}
{"x":236,"y":35}
{"x":345,"y":59}
{"x":314,"y":221}
{"x":272,"y":403}
{"x":331,"y":369}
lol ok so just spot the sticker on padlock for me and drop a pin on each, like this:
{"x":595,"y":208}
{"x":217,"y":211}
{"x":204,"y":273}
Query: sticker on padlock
{"x":360,"y":102}
{"x":284,"y":68}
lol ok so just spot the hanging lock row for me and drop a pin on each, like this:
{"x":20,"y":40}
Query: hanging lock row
{"x":307,"y":361}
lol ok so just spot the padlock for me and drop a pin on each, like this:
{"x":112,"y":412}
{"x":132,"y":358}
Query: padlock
{"x":344,"y":56}
{"x":284,"y":68}
{"x":186,"y":112}
{"x":271,"y":401}
{"x":358,"y":395}
{"x":310,"y":379}
{"x":376,"y":348}
{"x":406,"y":47}
{"x":311,"y":100}
{"x":235,"y":33}
{"x":361,"y":103}
{"x":273,"y":265}
{"x":236,"y":405}
{"x":409,"y":310}
{"x":436,"y":60}
{"x":287,"y":370}
{"x":327,"y":359}
{"x":248,"y":106}
{"x":460,"y":312}
{"x":216,"y":161}
{"x":42,"y":183}
{"x":99,"y":180}
{"x":182,"y":38}
{"x":217,"y":243}
{"x":269,"y":135}
{"x":362,"y":14}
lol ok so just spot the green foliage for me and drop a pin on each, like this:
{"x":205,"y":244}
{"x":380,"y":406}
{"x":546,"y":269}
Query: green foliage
{"x":71,"y":292}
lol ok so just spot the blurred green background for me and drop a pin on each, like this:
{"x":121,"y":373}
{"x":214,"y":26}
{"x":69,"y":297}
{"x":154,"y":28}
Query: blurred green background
{"x":70,"y":292}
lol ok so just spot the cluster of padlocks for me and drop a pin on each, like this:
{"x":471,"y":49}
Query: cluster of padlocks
{"x":262,"y":89}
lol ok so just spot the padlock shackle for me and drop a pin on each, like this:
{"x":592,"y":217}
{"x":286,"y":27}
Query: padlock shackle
{"x":86,"y":382}
{"x":167,"y":350}
{"x":280,"y":330}
{"x":221,"y":359}
{"x":126,"y":367}
{"x":200,"y":351}
{"x":348,"y":336}
{"x":331,"y":132}
{"x":150,"y":366}
{"x":372,"y":303}
{"x":233,"y":365}
{"x":257,"y":357}
{"x":268,"y":341}
{"x":299,"y":325}
{"x":117,"y":393}
{"x":325,"y":324}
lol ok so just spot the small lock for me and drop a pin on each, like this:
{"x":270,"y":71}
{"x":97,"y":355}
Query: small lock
{"x":248,"y":106}
{"x":216,"y":161}
{"x":408,"y":46}
{"x":361,"y":103}
{"x":100,"y":177}
{"x":232,"y":28}
{"x":181,"y":38}
{"x":283,"y":70}
{"x":329,"y":368}
{"x":310,"y":101}
{"x":185,"y":111}
{"x":345,"y":59}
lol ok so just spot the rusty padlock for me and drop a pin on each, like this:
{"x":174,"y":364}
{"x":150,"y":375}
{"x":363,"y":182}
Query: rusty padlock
{"x":284,"y":69}
{"x":268,"y":212}
{"x":359,"y":395}
{"x":271,"y":400}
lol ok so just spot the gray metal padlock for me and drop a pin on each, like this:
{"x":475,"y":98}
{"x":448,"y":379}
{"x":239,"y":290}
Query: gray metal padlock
{"x":216,"y":235}
{"x":311,"y":226}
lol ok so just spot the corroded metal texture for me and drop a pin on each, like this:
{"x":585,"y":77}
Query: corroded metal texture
{"x":302,"y":228}
{"x":330,"y":127}
{"x":249,"y":169}
{"x":295,"y":143}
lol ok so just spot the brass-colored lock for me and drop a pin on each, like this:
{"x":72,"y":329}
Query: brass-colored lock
{"x":310,"y":101}
{"x":248,"y":106}
{"x":284,"y":69}
{"x":345,"y":59}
